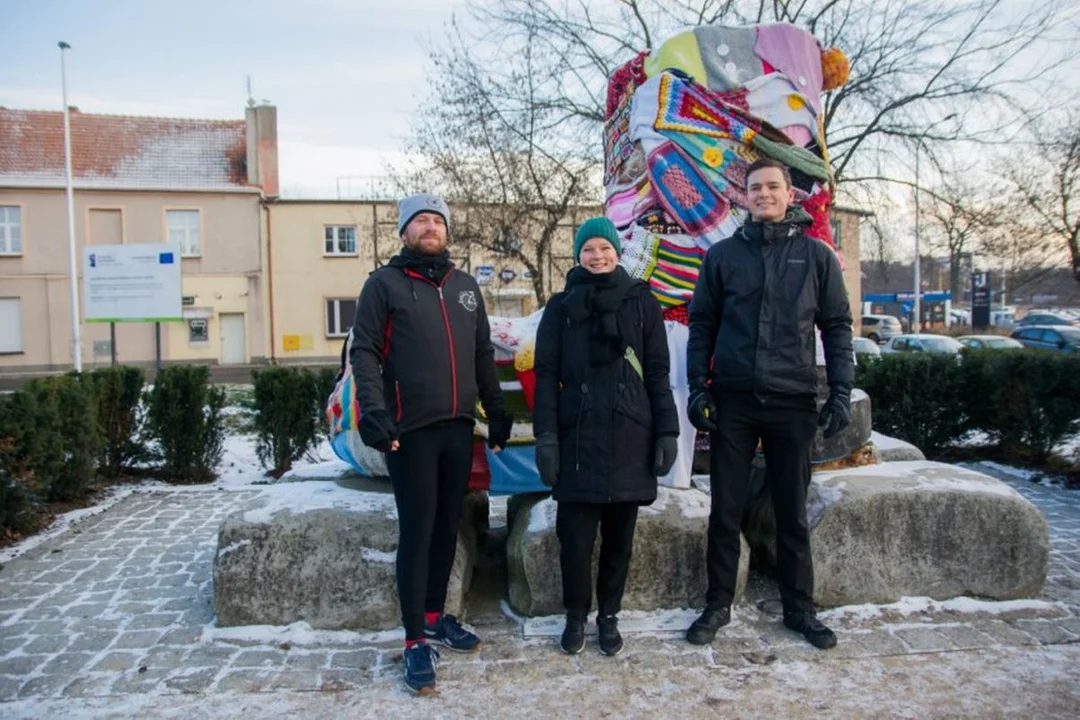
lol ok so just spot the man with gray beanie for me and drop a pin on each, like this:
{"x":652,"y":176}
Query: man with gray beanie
{"x":421,"y":354}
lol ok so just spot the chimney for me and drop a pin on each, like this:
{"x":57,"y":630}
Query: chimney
{"x":262,"y":150}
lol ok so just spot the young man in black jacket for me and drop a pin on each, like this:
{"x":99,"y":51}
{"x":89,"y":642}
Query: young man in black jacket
{"x":421,"y":353}
{"x":751,"y":367}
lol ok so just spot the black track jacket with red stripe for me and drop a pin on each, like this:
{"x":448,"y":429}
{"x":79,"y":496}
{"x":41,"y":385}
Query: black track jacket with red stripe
{"x":421,"y":350}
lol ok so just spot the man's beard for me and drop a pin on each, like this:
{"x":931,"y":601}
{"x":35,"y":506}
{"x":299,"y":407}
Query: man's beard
{"x":418,"y":246}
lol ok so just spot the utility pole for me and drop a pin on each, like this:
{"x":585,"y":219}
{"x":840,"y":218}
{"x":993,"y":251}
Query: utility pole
{"x":73,"y":277}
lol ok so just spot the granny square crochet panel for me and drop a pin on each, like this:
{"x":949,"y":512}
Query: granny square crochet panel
{"x":684,"y":192}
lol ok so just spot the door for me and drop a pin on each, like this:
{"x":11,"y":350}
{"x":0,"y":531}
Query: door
{"x":233,"y":342}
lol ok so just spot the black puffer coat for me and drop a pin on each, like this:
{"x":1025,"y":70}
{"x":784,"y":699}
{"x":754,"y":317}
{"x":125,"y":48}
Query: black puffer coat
{"x":607,"y":417}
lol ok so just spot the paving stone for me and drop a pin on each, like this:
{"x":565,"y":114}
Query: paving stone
{"x":67,"y":663}
{"x":247,"y":680}
{"x":12,"y":643}
{"x":21,"y":666}
{"x":87,"y":610}
{"x":181,"y":636}
{"x":153,"y":620}
{"x":307,"y":660}
{"x":1047,"y":632}
{"x":966,"y":637}
{"x":302,"y":680}
{"x":925,"y":639}
{"x":137,"y":639}
{"x":191,"y":681}
{"x":459,"y":672}
{"x":9,"y":686}
{"x":342,"y":680}
{"x":360,"y":659}
{"x":1004,"y":633}
{"x":259,"y":659}
{"x":179,"y":604}
{"x":134,"y":682}
{"x":44,"y":686}
{"x":46,"y":644}
{"x":164,"y":657}
{"x":209,"y":656}
{"x":118,"y":662}
{"x":88,"y":686}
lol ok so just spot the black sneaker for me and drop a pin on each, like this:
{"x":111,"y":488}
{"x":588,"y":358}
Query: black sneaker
{"x":447,"y":631}
{"x":573,"y":636}
{"x":421,"y":660}
{"x":815,"y":632}
{"x":610,"y":639}
{"x":703,"y":630}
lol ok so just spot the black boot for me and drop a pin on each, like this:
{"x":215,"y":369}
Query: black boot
{"x":610,"y":639}
{"x":573,"y":636}
{"x":704,"y":628}
{"x":815,"y":632}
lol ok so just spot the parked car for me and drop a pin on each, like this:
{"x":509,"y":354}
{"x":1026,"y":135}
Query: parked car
{"x":1043,"y":317}
{"x":922,"y":342}
{"x":959,"y":317}
{"x":880,"y":328}
{"x":1064,"y":338}
{"x":865,"y":348}
{"x":989,"y":342}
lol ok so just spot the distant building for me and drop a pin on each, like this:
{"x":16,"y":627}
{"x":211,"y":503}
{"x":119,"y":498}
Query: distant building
{"x":137,"y":180}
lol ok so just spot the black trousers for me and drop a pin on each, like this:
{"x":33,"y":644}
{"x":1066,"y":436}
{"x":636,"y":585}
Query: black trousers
{"x":430,"y":473}
{"x":786,"y":428}
{"x":575,"y":526}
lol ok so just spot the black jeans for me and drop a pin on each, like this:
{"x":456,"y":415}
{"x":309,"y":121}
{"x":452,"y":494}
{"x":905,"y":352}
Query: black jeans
{"x":786,"y":428}
{"x":575,"y":526}
{"x":430,"y":473}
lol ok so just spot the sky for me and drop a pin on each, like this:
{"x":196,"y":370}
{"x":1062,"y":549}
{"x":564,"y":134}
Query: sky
{"x":344,"y":74}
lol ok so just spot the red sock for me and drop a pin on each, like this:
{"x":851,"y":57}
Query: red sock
{"x":432,"y":617}
{"x":410,"y":643}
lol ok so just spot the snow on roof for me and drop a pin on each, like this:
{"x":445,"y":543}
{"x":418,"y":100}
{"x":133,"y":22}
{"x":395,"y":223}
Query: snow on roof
{"x":122,"y":152}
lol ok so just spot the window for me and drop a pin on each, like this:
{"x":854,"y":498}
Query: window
{"x":10,"y":325}
{"x":10,"y":230}
{"x":339,"y":316}
{"x":198,"y":330}
{"x":183,"y":229}
{"x":339,"y":240}
{"x":837,"y":229}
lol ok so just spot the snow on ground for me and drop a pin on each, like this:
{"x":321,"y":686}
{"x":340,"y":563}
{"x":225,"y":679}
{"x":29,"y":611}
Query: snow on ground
{"x":299,"y":634}
{"x":316,"y":495}
{"x":923,"y":605}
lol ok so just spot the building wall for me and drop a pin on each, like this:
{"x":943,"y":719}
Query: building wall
{"x":850,"y":249}
{"x":224,"y":277}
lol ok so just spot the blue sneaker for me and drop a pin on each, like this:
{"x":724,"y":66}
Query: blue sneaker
{"x":448,"y":631}
{"x":421,"y":660}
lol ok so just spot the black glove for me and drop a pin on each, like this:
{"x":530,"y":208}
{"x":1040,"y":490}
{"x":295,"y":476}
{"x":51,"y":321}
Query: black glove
{"x":547,"y":458}
{"x":499,"y":426}
{"x":667,"y":448}
{"x":836,"y":413}
{"x":377,"y":430}
{"x":702,"y":411}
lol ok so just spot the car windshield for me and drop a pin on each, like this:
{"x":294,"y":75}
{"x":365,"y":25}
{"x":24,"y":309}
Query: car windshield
{"x":940,"y":344}
{"x":1001,"y":343}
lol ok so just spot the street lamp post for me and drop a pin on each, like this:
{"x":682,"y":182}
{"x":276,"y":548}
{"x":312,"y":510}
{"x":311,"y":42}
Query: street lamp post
{"x":73,"y":278}
{"x":916,"y":324}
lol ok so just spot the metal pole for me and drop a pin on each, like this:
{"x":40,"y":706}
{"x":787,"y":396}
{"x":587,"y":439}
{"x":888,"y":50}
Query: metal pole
{"x":157,"y":347}
{"x":916,"y":323}
{"x":73,"y":279}
{"x":112,"y":342}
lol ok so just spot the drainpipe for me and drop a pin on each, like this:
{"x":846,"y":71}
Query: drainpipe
{"x":270,"y":281}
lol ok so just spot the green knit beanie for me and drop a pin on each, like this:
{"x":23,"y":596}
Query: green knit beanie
{"x":596,"y":227}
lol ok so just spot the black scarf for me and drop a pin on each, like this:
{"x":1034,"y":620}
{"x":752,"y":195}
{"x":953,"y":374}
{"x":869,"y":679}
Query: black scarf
{"x":433,"y":267}
{"x":796,"y":220}
{"x":595,"y":298}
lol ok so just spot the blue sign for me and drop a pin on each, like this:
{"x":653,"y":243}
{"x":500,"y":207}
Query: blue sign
{"x":484,"y":273}
{"x":907,"y":307}
{"x":165,"y":258}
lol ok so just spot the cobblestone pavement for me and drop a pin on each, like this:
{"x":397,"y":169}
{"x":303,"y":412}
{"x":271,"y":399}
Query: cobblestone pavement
{"x":117,"y":613}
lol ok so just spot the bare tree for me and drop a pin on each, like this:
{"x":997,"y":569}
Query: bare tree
{"x":959,"y":218}
{"x":913,"y":61}
{"x":1043,"y":184}
{"x":487,"y":141}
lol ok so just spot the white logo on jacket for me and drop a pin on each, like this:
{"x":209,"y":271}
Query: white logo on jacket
{"x":467,"y":298}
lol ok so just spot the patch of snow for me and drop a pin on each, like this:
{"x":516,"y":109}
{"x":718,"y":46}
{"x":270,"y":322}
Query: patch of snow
{"x":827,"y":495}
{"x":923,"y":605}
{"x":233,"y":547}
{"x":113,"y":495}
{"x":925,"y":476}
{"x":322,"y":470}
{"x":974,"y":438}
{"x":1019,"y":473}
{"x":379,"y":556}
{"x":298,"y":634}
{"x":886,"y":442}
{"x":542,"y":516}
{"x":316,"y":495}
{"x":1069,"y":448}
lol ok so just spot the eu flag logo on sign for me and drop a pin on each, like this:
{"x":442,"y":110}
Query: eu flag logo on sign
{"x":165,"y":258}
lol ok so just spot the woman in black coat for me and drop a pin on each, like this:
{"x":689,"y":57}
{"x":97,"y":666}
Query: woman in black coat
{"x":605,"y":422}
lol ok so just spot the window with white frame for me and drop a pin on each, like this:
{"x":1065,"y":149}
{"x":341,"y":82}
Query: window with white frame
{"x":837,"y":229}
{"x":11,"y":325}
{"x":339,"y":316}
{"x":10,"y":230}
{"x":183,"y":229}
{"x":339,"y":240}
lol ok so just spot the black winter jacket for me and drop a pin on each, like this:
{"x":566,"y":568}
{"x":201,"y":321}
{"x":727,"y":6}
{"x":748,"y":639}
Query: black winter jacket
{"x":422,"y":350}
{"x":607,"y":417}
{"x":758,"y":296}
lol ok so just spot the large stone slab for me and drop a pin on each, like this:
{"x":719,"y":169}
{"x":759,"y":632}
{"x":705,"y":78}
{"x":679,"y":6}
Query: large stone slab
{"x":667,"y":569}
{"x":882,"y":532}
{"x":324,"y":553}
{"x":890,"y":449}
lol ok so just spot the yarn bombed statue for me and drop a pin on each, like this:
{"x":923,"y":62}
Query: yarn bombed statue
{"x":684,"y":121}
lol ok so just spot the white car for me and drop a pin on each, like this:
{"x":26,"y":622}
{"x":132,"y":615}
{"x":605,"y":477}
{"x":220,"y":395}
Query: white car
{"x":922,"y":342}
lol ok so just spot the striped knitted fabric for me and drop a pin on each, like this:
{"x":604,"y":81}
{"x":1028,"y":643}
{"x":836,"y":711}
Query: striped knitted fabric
{"x":677,"y":265}
{"x":686,"y":107}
